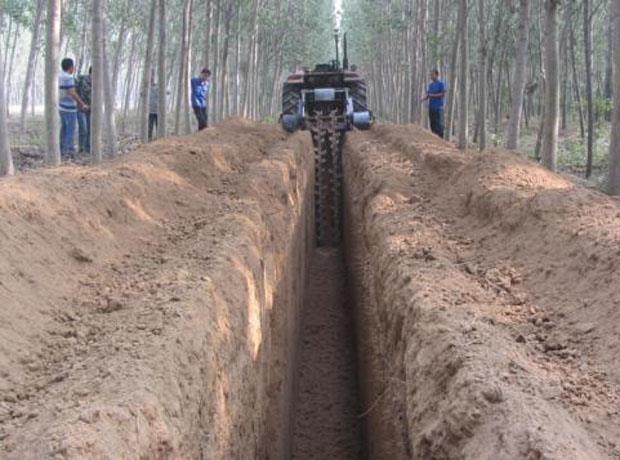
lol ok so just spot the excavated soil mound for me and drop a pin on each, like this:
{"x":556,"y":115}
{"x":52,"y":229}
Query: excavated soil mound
{"x":154,"y":306}
{"x":149,"y":305}
{"x":488,"y":302}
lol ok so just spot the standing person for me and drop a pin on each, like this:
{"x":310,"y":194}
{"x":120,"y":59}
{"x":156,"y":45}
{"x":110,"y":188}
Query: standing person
{"x":153,"y":108}
{"x":200,"y":97}
{"x":68,"y":101}
{"x":435,"y":94}
{"x":84,"y":89}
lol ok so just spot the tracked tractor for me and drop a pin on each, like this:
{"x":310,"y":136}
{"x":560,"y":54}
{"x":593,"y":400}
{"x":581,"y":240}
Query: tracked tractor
{"x":328,"y":101}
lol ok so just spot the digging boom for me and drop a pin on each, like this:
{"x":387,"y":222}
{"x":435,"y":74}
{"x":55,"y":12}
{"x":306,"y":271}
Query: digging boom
{"x":328,"y":101}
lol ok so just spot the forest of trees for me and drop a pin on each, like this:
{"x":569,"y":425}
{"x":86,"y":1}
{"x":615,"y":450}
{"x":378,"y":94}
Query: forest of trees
{"x":249,"y":44}
{"x":511,"y":66}
{"x":519,"y":72}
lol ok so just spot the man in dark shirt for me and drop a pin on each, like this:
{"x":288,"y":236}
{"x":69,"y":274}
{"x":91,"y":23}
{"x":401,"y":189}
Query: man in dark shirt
{"x":435,"y":94}
{"x":153,"y":108}
{"x":84,"y":90}
{"x":200,"y":97}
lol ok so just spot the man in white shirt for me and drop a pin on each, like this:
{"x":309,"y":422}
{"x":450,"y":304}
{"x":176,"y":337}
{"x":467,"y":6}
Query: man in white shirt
{"x":68,"y":102}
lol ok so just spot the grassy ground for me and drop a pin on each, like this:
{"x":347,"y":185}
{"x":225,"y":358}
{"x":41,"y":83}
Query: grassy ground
{"x":571,"y":150}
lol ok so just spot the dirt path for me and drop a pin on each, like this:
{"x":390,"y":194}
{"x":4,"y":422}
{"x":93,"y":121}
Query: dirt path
{"x":326,"y":423}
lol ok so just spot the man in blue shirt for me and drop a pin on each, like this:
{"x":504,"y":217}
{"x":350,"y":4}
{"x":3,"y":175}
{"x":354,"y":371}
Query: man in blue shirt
{"x":200,"y":97}
{"x":435,"y":94}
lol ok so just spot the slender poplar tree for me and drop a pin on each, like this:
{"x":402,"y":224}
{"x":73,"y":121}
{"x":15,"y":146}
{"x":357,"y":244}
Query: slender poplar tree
{"x":52,"y":63}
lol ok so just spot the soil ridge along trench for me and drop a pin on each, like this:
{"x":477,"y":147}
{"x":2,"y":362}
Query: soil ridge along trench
{"x":485,"y":297}
{"x":150,"y":304}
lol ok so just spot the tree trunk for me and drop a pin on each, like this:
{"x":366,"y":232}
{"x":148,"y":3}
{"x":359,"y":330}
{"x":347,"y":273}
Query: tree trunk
{"x":552,"y":87}
{"x":576,"y":80}
{"x":482,"y":73}
{"x":162,"y":81}
{"x":52,"y":62}
{"x":436,"y":20}
{"x":6,"y":160}
{"x":97,"y":97}
{"x":183,"y":66}
{"x":543,"y":79}
{"x":464,"y":71}
{"x":9,"y":80}
{"x":247,"y":103}
{"x":565,"y":78}
{"x":514,"y":123}
{"x":7,"y":44}
{"x":564,"y":96}
{"x":497,"y":103}
{"x":229,"y":12}
{"x":587,"y":43}
{"x":36,"y":27}
{"x":109,"y":94}
{"x":145,"y":86}
{"x":452,"y":87}
{"x":118,"y":51}
{"x":237,"y":92}
{"x":129,"y":80}
{"x":419,"y":71}
{"x":214,"y":90}
{"x":33,"y":89}
{"x":208,"y":32}
{"x":614,"y":147}
{"x":188,"y":75}
{"x":608,"y":62}
{"x":84,"y":45}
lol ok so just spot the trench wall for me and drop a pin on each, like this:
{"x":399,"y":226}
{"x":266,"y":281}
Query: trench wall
{"x":190,"y":353}
{"x":444,"y":371}
{"x":380,"y":348}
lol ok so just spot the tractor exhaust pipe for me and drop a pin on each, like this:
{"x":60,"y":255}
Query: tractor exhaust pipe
{"x":345,"y":51}
{"x":336,"y":40}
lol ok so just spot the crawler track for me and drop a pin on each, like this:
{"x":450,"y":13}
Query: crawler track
{"x":327,"y":139}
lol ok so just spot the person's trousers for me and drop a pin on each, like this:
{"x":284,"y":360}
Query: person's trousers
{"x":152,"y":125}
{"x":84,"y":131}
{"x":201,"y":117}
{"x":68,"y":120}
{"x":436,"y":118}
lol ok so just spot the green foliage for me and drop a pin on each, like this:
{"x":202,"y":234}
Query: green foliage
{"x":572,"y":152}
{"x":17,"y":10}
{"x":603,"y":108}
{"x":307,"y":33}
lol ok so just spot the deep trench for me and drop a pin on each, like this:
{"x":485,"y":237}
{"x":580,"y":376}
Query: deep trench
{"x":326,"y":405}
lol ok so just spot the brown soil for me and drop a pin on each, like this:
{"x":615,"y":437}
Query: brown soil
{"x":326,"y":405}
{"x":149,"y":304}
{"x":491,"y":286}
{"x":151,"y":307}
